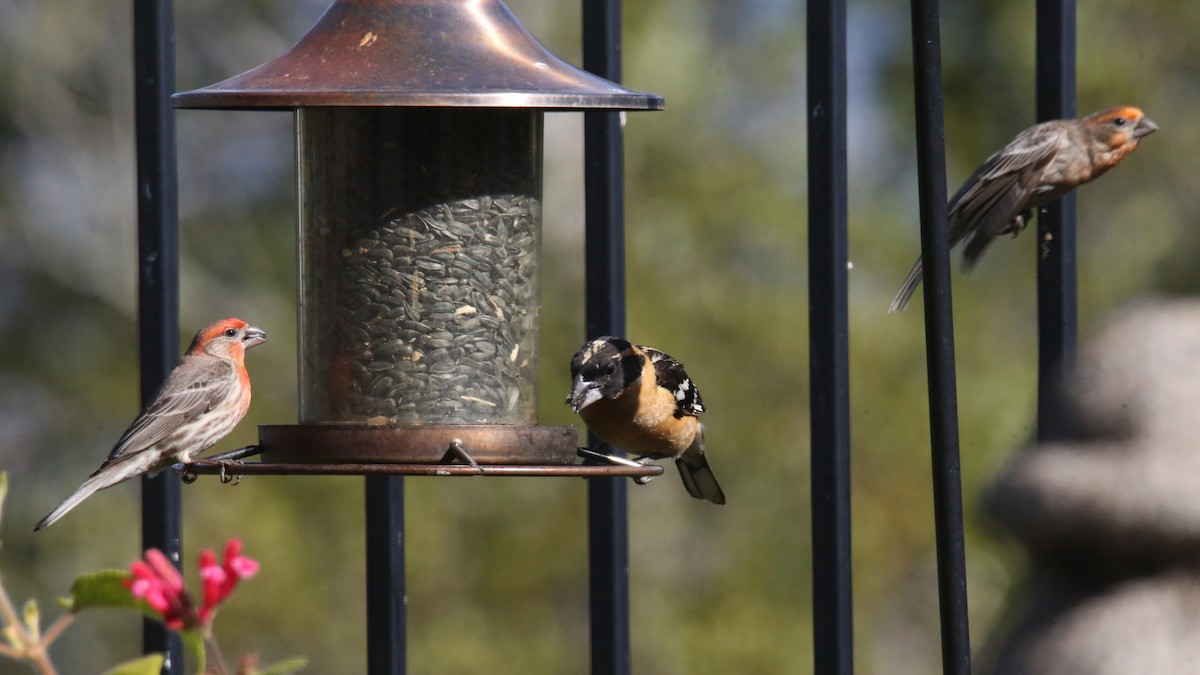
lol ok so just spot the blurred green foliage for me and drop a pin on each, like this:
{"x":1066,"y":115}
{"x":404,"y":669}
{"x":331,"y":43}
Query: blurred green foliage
{"x":716,"y":215}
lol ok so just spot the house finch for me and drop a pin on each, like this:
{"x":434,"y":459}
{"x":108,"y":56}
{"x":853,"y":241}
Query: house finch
{"x":200,"y":402}
{"x":1041,"y":164}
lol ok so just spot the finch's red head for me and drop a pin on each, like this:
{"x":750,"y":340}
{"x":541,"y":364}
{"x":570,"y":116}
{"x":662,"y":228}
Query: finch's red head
{"x":1120,"y":126}
{"x":227,"y":338}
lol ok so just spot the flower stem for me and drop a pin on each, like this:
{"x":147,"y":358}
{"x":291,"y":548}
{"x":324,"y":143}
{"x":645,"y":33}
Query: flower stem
{"x":10,"y":614}
{"x":216,"y":662}
{"x":60,"y":624}
{"x":35,"y":653}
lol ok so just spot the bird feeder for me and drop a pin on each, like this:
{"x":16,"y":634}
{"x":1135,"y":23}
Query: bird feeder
{"x":419,"y":157}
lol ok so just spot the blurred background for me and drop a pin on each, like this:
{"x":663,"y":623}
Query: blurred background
{"x":716,"y":262}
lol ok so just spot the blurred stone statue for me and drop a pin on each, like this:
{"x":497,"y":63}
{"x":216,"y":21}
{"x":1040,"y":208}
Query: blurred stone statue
{"x":1109,"y":509}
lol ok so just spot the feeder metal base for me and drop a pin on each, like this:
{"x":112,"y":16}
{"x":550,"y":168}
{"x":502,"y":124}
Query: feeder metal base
{"x":230,"y":469}
{"x":344,"y":449}
{"x":360,"y":444}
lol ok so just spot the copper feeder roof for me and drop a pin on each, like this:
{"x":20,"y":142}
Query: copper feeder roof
{"x":459,"y":53}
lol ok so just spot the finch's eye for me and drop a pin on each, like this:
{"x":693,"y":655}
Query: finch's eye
{"x":229,"y":332}
{"x":1120,"y":121}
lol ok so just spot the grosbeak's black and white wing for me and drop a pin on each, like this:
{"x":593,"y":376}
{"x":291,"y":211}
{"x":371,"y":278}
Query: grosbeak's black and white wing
{"x":670,"y":375}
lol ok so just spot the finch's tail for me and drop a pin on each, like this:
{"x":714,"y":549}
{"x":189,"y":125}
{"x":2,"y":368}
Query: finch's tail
{"x":906,"y":291}
{"x":697,"y":475}
{"x":106,"y":476}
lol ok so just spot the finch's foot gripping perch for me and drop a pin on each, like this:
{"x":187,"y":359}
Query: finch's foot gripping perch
{"x":229,"y":459}
{"x":225,"y":478}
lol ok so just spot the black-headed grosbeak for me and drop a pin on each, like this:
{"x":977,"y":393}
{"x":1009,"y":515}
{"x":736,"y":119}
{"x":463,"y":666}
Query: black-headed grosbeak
{"x":641,"y":401}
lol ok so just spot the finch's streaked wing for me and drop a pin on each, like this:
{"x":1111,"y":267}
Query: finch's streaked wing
{"x":179,"y":402}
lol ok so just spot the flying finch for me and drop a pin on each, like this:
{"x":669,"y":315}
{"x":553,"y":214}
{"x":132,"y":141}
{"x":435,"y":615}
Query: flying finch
{"x":199,"y":403}
{"x":1041,"y":164}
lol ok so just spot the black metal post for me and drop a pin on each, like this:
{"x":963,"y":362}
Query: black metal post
{"x":386,"y":594}
{"x":1057,"y":288}
{"x":939,"y":339}
{"x":604,"y":197}
{"x":829,"y":335}
{"x":158,"y":270}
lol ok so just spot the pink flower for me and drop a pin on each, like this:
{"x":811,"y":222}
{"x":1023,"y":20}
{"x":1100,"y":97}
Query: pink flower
{"x":212,"y":576}
{"x":237,"y":565}
{"x":220,"y":580}
{"x":159,"y":584}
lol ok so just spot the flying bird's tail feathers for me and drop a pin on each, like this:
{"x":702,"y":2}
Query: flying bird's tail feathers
{"x":906,"y":291}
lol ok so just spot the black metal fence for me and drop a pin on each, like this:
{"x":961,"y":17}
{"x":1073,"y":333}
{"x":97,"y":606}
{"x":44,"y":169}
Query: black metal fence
{"x":828,"y":340}
{"x":604,"y":247}
{"x":158,"y":269}
{"x":604,"y":193}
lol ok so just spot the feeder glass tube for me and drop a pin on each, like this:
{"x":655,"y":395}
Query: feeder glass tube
{"x":420,"y":233}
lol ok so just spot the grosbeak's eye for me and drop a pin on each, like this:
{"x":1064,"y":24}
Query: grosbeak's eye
{"x":230,"y":332}
{"x":609,"y":368}
{"x":1120,"y":121}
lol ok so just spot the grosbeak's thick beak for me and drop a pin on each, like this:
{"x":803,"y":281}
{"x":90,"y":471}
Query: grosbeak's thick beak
{"x":583,"y":394}
{"x":254,"y":336}
{"x":1144,"y":127}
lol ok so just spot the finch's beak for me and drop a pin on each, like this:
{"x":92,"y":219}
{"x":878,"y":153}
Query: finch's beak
{"x":1144,"y":127}
{"x":254,"y":336}
{"x":584,"y":394}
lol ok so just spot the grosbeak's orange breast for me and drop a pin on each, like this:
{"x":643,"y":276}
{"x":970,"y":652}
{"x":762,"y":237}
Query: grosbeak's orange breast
{"x":641,"y":420}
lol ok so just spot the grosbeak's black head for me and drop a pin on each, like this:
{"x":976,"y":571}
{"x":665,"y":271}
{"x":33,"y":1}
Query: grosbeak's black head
{"x":603,"y":368}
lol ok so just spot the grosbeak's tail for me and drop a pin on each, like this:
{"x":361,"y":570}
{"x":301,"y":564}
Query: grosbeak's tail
{"x":697,"y":475}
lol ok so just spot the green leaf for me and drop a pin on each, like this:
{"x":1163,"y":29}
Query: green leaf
{"x":105,"y":588}
{"x":285,"y":667}
{"x":147,"y":665}
{"x":29,"y":614}
{"x":193,"y":642}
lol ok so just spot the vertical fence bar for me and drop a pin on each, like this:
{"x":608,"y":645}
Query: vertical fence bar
{"x":939,"y":339}
{"x":158,"y":270}
{"x":829,"y":379}
{"x":386,"y":600}
{"x":1057,"y":290}
{"x":604,"y":203}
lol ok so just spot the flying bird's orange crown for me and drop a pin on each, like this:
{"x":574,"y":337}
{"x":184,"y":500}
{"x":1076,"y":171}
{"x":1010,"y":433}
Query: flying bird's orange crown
{"x":1129,"y":112}
{"x":1118,"y":128}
